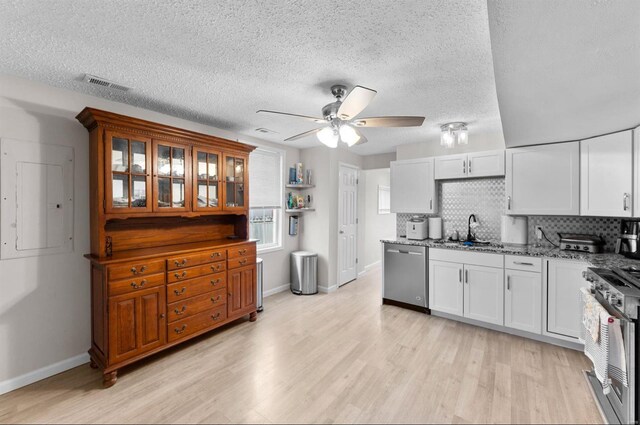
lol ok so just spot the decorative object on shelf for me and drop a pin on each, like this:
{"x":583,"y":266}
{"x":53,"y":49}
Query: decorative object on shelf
{"x":452,"y":133}
{"x":292,"y":175}
{"x":308,"y":179}
{"x":299,"y":173}
{"x":340,"y":115}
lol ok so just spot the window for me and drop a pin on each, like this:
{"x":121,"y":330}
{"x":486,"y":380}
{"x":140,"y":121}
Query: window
{"x":266,"y":197}
{"x":384,"y":200}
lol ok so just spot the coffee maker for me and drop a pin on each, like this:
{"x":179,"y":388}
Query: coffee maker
{"x":627,"y":242}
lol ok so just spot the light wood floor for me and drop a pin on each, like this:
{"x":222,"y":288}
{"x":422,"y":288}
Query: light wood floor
{"x":328,"y":358}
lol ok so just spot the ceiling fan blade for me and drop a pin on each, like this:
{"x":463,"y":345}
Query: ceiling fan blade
{"x":362,"y":139}
{"x":389,"y":122}
{"x":306,"y":117}
{"x":301,"y":135}
{"x":355,"y":102}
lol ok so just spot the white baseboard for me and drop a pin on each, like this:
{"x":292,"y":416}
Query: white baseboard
{"x":328,"y":289}
{"x":276,"y":290}
{"x":42,"y":373}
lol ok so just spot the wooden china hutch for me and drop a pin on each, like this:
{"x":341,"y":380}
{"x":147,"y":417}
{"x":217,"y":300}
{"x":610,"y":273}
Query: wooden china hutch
{"x":170,"y":255}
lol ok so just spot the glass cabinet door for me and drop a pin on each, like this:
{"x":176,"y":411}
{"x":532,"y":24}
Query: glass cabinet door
{"x":170,"y":177}
{"x":128,"y":162}
{"x":206,"y":175}
{"x":235,"y":180}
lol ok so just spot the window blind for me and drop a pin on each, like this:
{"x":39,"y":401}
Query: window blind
{"x":265,"y":177}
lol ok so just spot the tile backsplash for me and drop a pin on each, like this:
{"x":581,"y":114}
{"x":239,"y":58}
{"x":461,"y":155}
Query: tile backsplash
{"x":458,"y":199}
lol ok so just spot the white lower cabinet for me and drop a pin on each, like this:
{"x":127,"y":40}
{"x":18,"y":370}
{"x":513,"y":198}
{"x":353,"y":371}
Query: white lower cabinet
{"x":561,"y":288}
{"x":445,"y":287}
{"x":471,"y":291}
{"x":523,"y":300}
{"x":483,"y":294}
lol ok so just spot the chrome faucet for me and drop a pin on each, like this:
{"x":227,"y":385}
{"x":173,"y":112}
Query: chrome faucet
{"x":470,"y":237}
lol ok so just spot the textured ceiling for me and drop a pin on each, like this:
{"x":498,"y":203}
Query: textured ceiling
{"x":217,"y":62}
{"x":565,"y":70}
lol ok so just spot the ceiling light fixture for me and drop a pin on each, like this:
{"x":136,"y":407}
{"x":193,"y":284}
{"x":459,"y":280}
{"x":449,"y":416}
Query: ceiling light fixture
{"x":348,"y":135}
{"x":454,"y":132}
{"x":329,"y":137}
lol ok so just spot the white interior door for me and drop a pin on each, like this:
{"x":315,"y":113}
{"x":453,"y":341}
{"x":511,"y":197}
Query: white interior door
{"x":347,"y":224}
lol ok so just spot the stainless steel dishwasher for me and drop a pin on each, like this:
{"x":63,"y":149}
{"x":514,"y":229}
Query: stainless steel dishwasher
{"x":404,"y":281}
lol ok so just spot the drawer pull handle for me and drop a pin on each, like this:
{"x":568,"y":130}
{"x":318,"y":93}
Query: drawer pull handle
{"x":216,"y":299}
{"x":216,"y":316}
{"x":179,"y":331}
{"x":180,"y":312}
{"x":136,"y":286}
{"x":181,"y":276}
{"x":215,"y":282}
{"x":180,"y":263}
{"x":522,"y":263}
{"x":243,"y":261}
{"x":216,"y":267}
{"x":180,"y":292}
{"x":134,"y":270}
{"x":242,"y":251}
{"x":215,"y":254}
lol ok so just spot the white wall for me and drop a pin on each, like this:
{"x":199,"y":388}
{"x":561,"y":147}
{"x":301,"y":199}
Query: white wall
{"x":44,"y":307}
{"x":382,"y":160}
{"x":374,"y":226}
{"x":477,"y":143}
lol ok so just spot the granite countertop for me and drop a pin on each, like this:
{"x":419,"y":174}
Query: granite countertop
{"x":605,"y":260}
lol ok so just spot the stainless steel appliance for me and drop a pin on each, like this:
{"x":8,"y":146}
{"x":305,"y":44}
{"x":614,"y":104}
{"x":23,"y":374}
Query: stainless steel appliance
{"x":618,"y":290}
{"x":579,"y":242}
{"x":417,"y":228}
{"x":405,"y":276}
{"x":260,"y":284}
{"x":627,"y":242}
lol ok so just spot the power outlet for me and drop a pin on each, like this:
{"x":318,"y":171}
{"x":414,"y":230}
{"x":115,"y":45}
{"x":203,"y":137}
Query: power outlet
{"x":539,"y":233}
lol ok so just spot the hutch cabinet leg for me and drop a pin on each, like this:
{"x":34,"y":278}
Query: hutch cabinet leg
{"x":108,"y":379}
{"x":92,"y":363}
{"x":253,"y":316}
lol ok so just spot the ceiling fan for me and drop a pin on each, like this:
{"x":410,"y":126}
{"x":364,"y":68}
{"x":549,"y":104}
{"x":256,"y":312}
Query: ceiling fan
{"x":341,"y":117}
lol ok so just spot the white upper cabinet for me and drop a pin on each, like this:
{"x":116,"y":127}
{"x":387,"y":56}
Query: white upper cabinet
{"x":606,"y":175}
{"x":485,"y":164}
{"x":543,"y":180}
{"x":476,"y":164}
{"x":451,"y":166}
{"x":413,"y":187}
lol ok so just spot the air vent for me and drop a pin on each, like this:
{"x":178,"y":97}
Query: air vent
{"x":92,"y":79}
{"x":265,"y":130}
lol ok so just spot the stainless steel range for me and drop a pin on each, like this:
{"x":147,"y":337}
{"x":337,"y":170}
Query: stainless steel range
{"x":618,"y":290}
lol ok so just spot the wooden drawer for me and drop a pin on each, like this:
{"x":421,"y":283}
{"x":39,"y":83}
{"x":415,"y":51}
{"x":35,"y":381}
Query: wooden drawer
{"x":198,"y":304}
{"x":241,"y":251}
{"x":234,"y":263}
{"x":189,"y":288}
{"x":125,"y":286}
{"x":191,"y":272}
{"x":519,"y":262}
{"x":207,"y":319}
{"x":196,"y":259}
{"x":142,"y":268}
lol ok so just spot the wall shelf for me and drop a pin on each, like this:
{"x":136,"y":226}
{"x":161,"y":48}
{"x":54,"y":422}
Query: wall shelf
{"x":300,"y":186}
{"x":295,"y":210}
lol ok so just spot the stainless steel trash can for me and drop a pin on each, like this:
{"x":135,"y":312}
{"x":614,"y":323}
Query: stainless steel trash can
{"x":259,"y":285}
{"x":304,"y":273}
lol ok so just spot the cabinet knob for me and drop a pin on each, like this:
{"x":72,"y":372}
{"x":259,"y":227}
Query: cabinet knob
{"x":215,"y":254}
{"x":180,"y":312}
{"x":180,"y":263}
{"x":136,"y":286}
{"x":215,"y":282}
{"x":179,"y":331}
{"x":180,"y":292}
{"x":134,"y":270}
{"x":181,"y":276}
{"x":216,"y":316}
{"x":162,"y":315}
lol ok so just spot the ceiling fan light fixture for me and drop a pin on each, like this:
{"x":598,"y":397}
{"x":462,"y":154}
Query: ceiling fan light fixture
{"x":349,"y":135}
{"x":328,"y":136}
